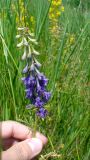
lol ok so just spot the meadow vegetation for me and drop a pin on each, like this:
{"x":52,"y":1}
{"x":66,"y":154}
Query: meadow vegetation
{"x":63,"y":35}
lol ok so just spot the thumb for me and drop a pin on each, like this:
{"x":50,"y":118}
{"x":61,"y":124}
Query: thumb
{"x":25,"y":150}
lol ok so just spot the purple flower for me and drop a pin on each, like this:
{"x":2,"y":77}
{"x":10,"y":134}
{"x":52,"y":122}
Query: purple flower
{"x":29,"y":93}
{"x":42,"y":112}
{"x":39,"y":102}
{"x":42,"y":80}
{"x":26,"y":80}
{"x":29,"y":81}
{"x":46,"y":96}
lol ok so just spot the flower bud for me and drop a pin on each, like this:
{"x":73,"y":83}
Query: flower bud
{"x":18,"y":36}
{"x":20,"y":44}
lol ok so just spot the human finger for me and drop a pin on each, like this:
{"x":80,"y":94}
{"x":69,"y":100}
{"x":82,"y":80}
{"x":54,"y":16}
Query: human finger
{"x":19,"y":131}
{"x":15,"y":130}
{"x":7,"y":143}
{"x":25,"y":150}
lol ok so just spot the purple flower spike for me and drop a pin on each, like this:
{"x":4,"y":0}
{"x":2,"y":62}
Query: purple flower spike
{"x":35,"y":82}
{"x":36,"y":92}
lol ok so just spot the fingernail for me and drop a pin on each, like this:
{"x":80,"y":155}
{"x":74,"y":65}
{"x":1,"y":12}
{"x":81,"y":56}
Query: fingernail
{"x":42,"y":138}
{"x":36,"y":146}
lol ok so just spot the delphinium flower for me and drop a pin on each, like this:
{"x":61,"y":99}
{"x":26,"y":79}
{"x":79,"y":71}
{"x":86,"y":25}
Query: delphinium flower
{"x":34,"y":81}
{"x":54,"y":13}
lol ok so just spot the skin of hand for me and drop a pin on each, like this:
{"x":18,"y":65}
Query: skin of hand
{"x":18,"y":141}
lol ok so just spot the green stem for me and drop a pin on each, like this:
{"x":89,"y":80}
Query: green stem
{"x":35,"y":126}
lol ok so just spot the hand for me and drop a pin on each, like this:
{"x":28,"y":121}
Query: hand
{"x":18,"y":143}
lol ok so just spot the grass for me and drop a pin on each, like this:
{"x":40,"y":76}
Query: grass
{"x":66,"y":65}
